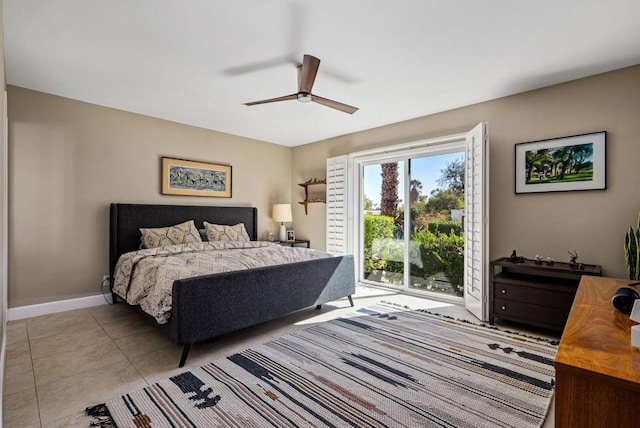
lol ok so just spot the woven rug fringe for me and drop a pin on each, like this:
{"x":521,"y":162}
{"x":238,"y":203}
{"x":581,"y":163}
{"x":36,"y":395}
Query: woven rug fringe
{"x":539,"y":339}
{"x":101,"y":416}
{"x":426,"y":311}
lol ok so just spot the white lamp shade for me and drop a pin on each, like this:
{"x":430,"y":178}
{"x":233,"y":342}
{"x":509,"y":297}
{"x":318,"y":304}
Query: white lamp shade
{"x":282,"y":212}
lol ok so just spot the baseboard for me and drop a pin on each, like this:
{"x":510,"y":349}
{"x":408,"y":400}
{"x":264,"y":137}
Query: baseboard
{"x":55,"y":307}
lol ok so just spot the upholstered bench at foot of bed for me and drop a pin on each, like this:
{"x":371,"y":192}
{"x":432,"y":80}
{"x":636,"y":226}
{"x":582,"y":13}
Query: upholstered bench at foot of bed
{"x":208,"y":306}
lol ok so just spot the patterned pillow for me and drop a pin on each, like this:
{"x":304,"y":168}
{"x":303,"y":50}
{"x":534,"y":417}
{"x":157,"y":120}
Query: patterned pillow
{"x":221,"y":232}
{"x":183,"y":233}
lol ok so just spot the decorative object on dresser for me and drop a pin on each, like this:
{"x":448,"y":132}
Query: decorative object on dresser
{"x":573,"y":261}
{"x":560,"y":164}
{"x":311,"y":200}
{"x":534,"y":293}
{"x":192,"y":178}
{"x":282,"y":213}
{"x":597,"y":375}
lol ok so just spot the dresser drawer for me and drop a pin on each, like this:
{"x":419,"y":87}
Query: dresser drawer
{"x":560,"y":298}
{"x":530,"y":292}
{"x":542,"y":316}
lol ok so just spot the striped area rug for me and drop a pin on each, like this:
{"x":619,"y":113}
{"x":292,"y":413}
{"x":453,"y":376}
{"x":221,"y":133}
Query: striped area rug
{"x":382,"y":366}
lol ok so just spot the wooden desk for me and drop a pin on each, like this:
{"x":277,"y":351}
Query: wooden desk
{"x":597,"y":370}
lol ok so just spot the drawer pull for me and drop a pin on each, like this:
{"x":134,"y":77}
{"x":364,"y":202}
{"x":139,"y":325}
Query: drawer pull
{"x":503,"y":291}
{"x":503,"y":307}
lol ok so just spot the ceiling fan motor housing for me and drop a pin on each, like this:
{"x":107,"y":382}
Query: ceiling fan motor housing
{"x":304,"y":97}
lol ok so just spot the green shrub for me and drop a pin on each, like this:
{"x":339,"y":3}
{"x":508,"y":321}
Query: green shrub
{"x":450,"y":250}
{"x":441,"y":248}
{"x":441,"y":252}
{"x":375,"y":227}
{"x":445,"y":226}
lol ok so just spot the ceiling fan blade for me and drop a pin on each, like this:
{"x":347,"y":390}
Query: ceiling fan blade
{"x":256,"y":66}
{"x":273,"y":100}
{"x":307,"y":73}
{"x":334,"y":104}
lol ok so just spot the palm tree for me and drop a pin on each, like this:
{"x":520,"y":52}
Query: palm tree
{"x":389,"y":194}
{"x":416,"y":189}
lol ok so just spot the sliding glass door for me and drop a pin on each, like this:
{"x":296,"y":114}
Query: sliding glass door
{"x":411,"y":215}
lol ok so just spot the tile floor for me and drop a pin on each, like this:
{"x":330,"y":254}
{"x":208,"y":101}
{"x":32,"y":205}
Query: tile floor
{"x":58,"y":364}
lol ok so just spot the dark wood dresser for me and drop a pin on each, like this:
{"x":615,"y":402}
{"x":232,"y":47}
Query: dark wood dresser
{"x":597,"y":370}
{"x":534,"y":294}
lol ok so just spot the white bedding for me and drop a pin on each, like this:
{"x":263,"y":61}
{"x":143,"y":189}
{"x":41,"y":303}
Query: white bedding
{"x":146,"y":277}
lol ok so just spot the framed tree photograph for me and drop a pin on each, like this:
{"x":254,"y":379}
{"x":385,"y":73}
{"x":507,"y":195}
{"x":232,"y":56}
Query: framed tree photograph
{"x":192,"y":178}
{"x":561,"y":164}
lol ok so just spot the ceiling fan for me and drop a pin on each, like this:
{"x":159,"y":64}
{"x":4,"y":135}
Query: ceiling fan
{"x":306,"y":76}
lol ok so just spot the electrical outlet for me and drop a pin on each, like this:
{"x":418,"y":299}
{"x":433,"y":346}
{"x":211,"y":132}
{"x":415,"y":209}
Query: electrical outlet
{"x":105,"y":278}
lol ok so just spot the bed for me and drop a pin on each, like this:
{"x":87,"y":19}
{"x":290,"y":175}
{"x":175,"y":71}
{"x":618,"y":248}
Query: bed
{"x":208,"y":306}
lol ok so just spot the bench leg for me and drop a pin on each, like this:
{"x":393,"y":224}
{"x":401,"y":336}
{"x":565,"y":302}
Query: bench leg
{"x":185,"y":354}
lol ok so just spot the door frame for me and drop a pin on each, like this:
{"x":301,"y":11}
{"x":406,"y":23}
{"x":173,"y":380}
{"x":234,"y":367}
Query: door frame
{"x":402,"y":152}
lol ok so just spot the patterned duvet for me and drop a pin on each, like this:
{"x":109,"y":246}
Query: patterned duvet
{"x":145,"y":277}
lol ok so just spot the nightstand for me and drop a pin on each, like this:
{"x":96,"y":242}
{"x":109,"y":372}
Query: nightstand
{"x":296,"y":243}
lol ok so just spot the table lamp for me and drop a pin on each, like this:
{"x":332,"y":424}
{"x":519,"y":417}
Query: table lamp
{"x":282,"y":213}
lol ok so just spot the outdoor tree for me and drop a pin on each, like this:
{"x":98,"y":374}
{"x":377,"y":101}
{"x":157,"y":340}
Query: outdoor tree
{"x":452,"y":177}
{"x":444,"y":200}
{"x":416,"y":190}
{"x":367,"y":203}
{"x":389,"y":193}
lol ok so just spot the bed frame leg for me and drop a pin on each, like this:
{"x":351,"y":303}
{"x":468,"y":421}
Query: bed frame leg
{"x":185,"y":354}
{"x":350,"y":300}
{"x":318,"y":307}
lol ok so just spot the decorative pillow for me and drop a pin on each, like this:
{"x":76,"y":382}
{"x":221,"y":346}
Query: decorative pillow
{"x":183,"y":233}
{"x":221,"y":232}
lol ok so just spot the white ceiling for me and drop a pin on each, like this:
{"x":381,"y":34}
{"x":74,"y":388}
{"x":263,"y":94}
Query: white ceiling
{"x":198,"y":61}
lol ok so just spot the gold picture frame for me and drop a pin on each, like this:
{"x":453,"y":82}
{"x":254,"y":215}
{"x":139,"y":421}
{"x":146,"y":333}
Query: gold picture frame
{"x":193,"y":178}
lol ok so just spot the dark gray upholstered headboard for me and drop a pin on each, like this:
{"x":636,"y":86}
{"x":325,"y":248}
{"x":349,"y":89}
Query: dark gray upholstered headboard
{"x":127,"y":219}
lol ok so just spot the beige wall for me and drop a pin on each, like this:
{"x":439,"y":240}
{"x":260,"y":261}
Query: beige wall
{"x":68,"y":160}
{"x":591,"y":222}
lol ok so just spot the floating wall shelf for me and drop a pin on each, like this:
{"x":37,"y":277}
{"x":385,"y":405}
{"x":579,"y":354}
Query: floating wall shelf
{"x":308,"y":201}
